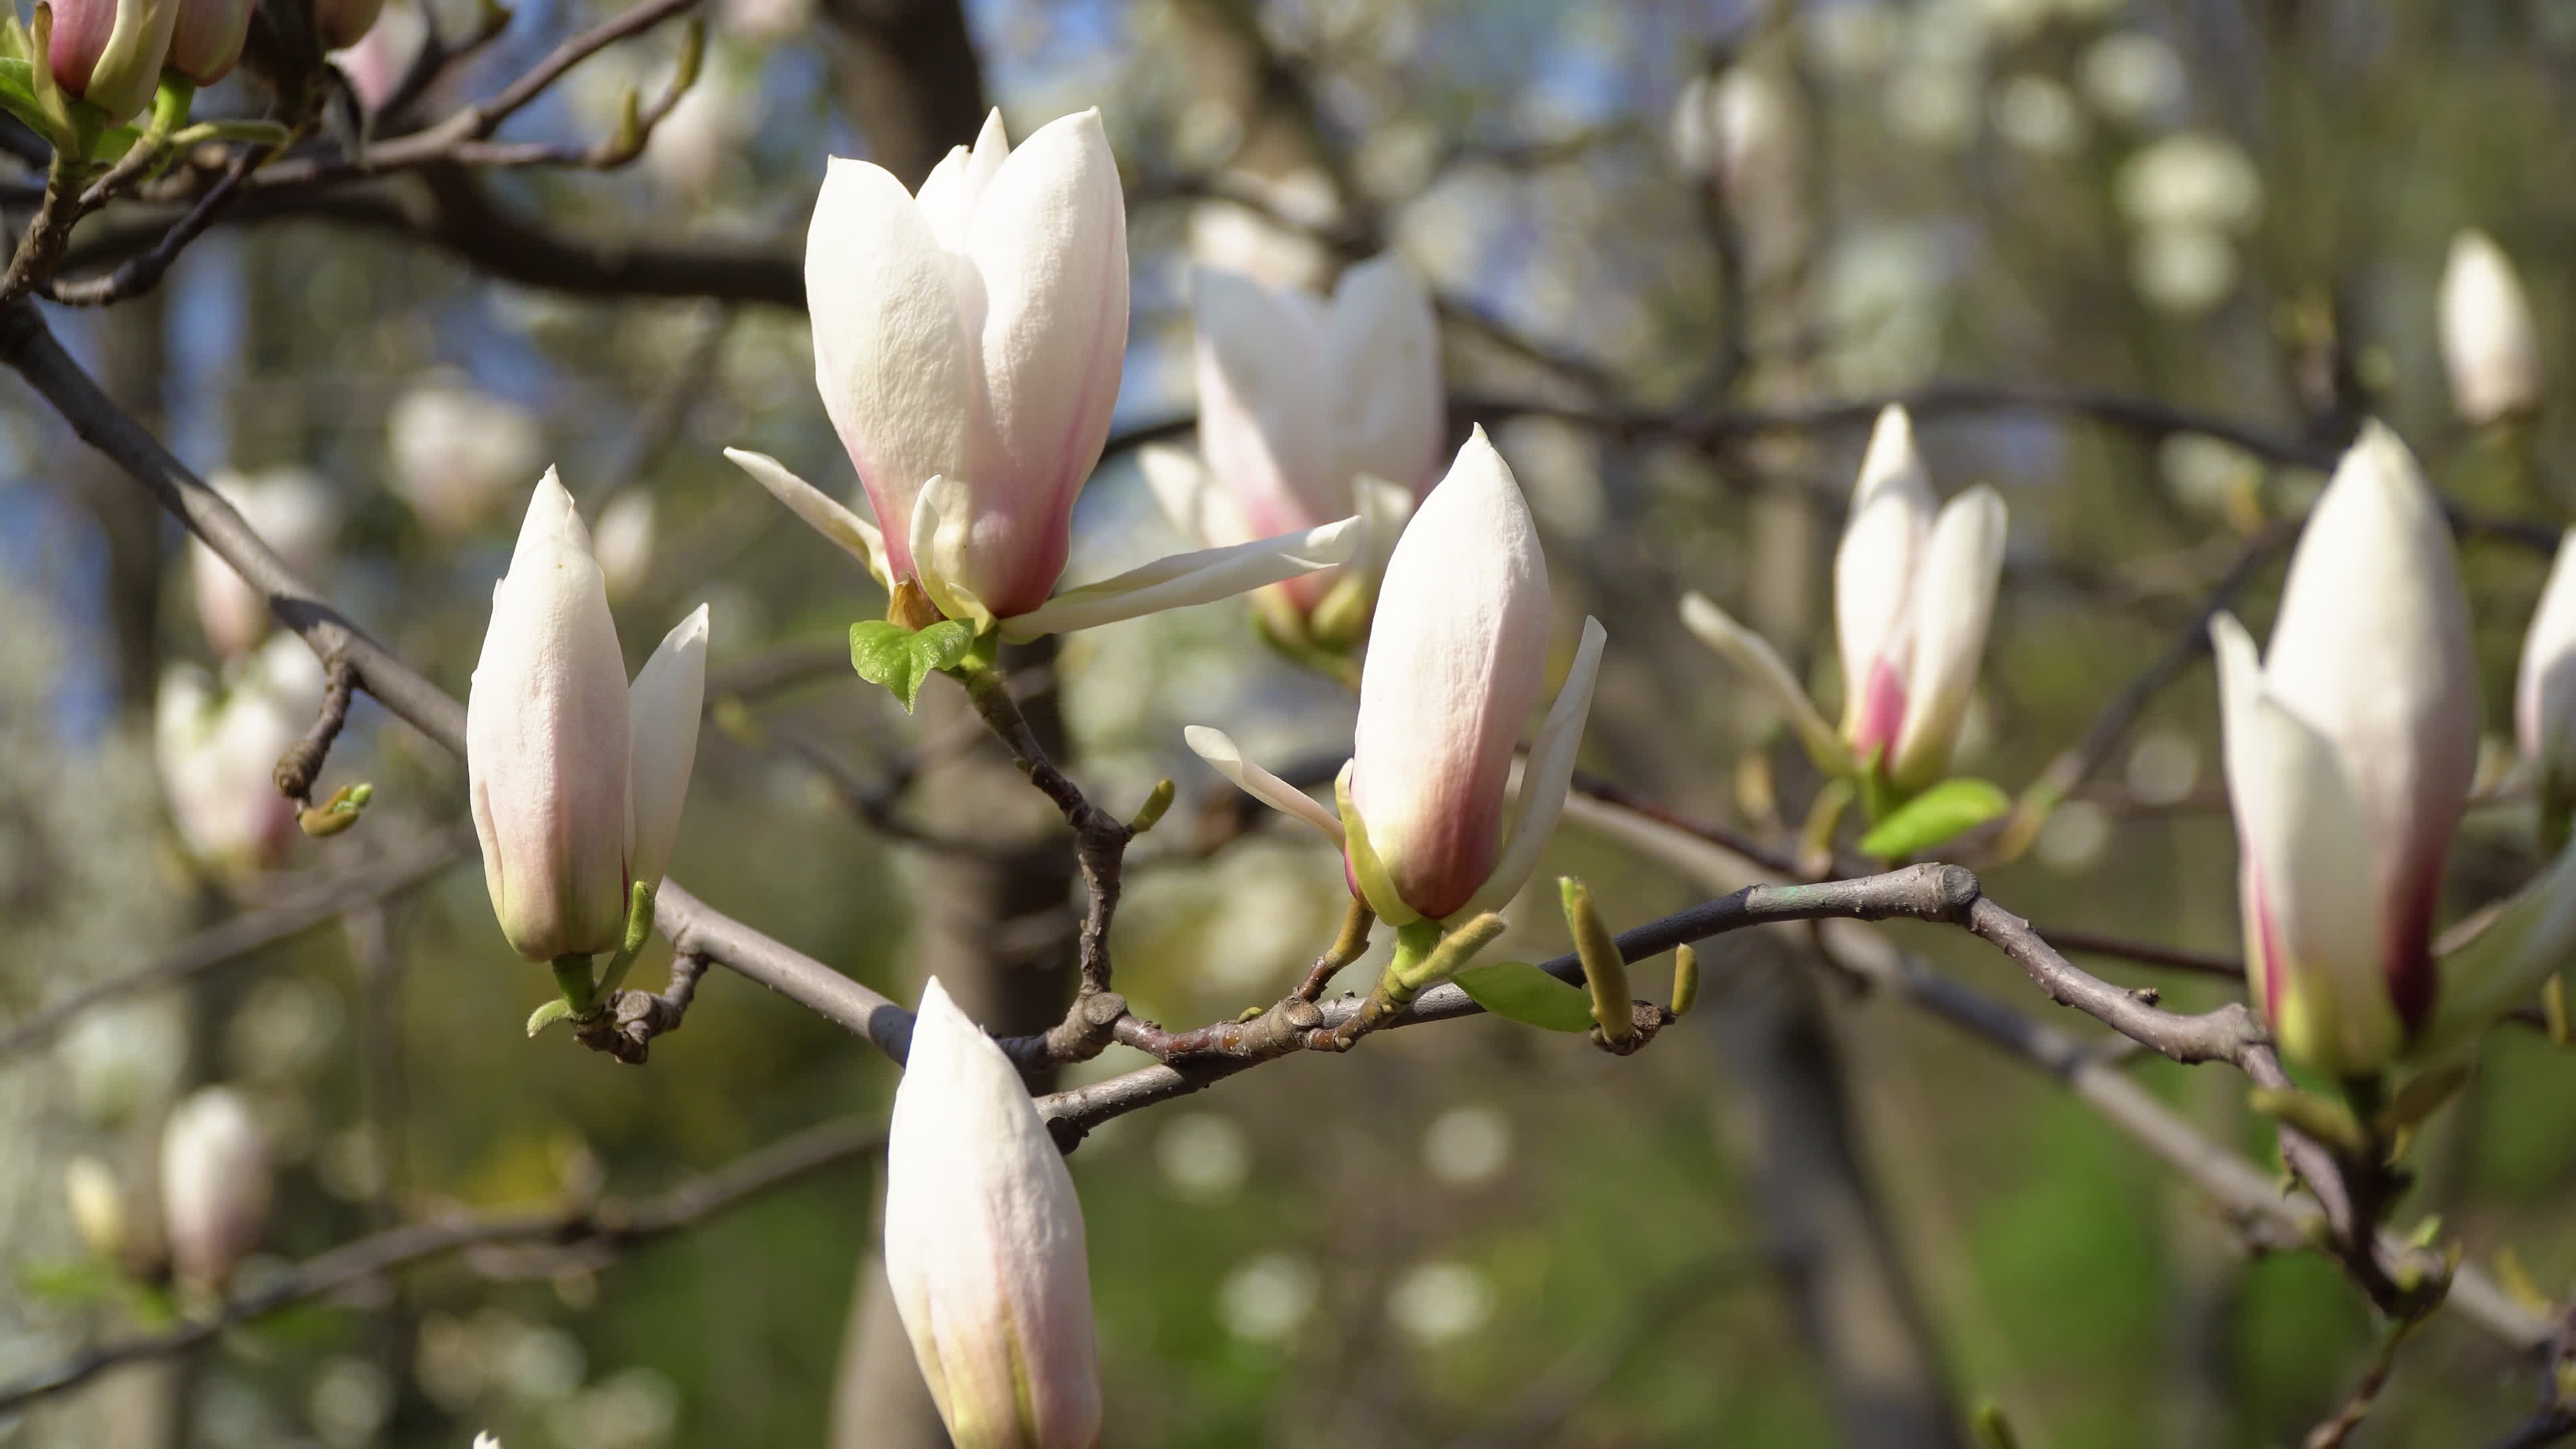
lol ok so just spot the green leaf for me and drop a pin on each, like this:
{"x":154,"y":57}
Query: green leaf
{"x":70,"y":1283}
{"x":900,"y":659}
{"x":1524,"y":993}
{"x":1938,"y":815}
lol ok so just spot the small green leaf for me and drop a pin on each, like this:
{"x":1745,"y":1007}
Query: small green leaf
{"x":1938,"y":815}
{"x":2330,"y":1122}
{"x":1524,"y":993}
{"x":900,"y":659}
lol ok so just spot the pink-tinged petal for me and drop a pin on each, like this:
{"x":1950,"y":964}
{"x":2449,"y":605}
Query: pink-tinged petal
{"x":894,"y":356}
{"x":215,"y":1184}
{"x":984,"y":1245}
{"x":1874,"y":567}
{"x":1381,"y":356}
{"x":1954,"y":602}
{"x":2371,"y":648}
{"x":79,"y":38}
{"x":2304,"y":874}
{"x":2544,"y":693}
{"x":1455,"y":663}
{"x":1882,"y":712}
{"x":206,"y":39}
{"x":663,"y":707}
{"x":2489,"y":346}
{"x":110,"y":54}
{"x":1264,"y":413}
{"x":1050,"y":244}
{"x":546,"y":743}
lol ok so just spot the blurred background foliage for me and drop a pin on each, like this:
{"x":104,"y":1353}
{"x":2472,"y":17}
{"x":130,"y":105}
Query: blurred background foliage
{"x":1474,"y":1234}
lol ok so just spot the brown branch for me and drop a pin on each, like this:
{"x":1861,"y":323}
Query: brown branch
{"x":141,"y":273}
{"x":625,"y":1028}
{"x":607,"y":1225}
{"x":302,"y":762}
{"x":1099,"y":839}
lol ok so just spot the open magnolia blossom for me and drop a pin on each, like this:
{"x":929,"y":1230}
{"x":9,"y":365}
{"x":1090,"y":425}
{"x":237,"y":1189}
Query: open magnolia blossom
{"x":576,"y":779}
{"x":1455,"y":664}
{"x":293,"y":512}
{"x":967,"y":344}
{"x":217,"y":747}
{"x":2544,"y":693}
{"x":2489,"y":346}
{"x":2348,"y":782}
{"x":1914,"y":592}
{"x":984,"y":1245}
{"x":1309,"y":411}
{"x":215,"y":1184}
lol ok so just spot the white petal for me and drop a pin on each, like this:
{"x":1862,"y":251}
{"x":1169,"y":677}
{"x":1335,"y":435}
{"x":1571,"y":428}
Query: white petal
{"x":943,"y":528}
{"x":2544,"y":696}
{"x":950,"y":194}
{"x":1384,"y":510}
{"x":1220,"y":751}
{"x":663,"y":707}
{"x":893,"y":355}
{"x":1754,"y":658}
{"x":1954,"y":602}
{"x":984,"y":1244}
{"x":1545,"y":779}
{"x":2305,"y":874}
{"x":1264,"y":416}
{"x":856,"y":536}
{"x":1183,"y":579}
{"x":1190,"y":498}
{"x":1875,"y":565}
{"x":1382,"y":366}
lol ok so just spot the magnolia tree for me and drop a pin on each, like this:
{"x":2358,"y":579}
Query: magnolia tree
{"x":1371,"y":598}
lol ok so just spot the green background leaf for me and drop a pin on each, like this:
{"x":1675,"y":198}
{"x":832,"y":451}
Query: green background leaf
{"x":1525,"y":993}
{"x":1939,"y":814}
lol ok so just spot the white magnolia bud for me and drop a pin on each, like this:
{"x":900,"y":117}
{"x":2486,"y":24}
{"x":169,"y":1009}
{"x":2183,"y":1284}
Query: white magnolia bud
{"x":2489,"y":345}
{"x":214,"y":1184}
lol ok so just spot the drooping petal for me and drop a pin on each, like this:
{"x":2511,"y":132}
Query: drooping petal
{"x":546,"y":743}
{"x":1455,"y":663}
{"x":1754,"y":658}
{"x":1227,"y":758}
{"x":1874,"y":567}
{"x":663,"y":707}
{"x":1190,"y":498}
{"x":1184,"y":579}
{"x":984,"y":1245}
{"x":2371,"y":648}
{"x":856,"y":536}
{"x":1265,"y":416}
{"x":2489,"y":346}
{"x":1545,"y":779}
{"x":894,"y":357}
{"x":1381,"y":358}
{"x":2544,"y":693}
{"x":1050,"y":244}
{"x":2505,"y":965}
{"x":2312,"y":937}
{"x":1954,"y":602}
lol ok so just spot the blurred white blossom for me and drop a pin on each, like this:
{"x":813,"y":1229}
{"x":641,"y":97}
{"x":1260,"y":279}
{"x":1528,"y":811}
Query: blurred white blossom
{"x":1440,"y":1302}
{"x":2134,"y":78}
{"x":458,"y":450}
{"x":1205,"y":1156}
{"x":1266,"y":1299}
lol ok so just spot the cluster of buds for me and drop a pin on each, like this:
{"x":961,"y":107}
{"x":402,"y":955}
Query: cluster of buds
{"x":576,"y":779}
{"x":1309,"y":411}
{"x":1914,"y":593}
{"x":116,"y":55}
{"x":967,"y":345}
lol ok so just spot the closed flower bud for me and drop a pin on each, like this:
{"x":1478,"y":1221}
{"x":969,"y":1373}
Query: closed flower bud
{"x":984,"y":1245}
{"x":294,"y":513}
{"x":1300,"y":401}
{"x":2349,"y":751}
{"x":217,"y":747}
{"x":2544,"y":693}
{"x":1914,"y":591}
{"x":576,"y":782}
{"x":109,"y":52}
{"x":2489,"y":346}
{"x":973,"y":335}
{"x":207,"y":39}
{"x":214,"y":1185}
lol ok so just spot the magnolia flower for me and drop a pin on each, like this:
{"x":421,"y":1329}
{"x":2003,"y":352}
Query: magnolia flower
{"x":576,"y":779}
{"x":2349,"y":752}
{"x":109,"y":52}
{"x":967,"y":344}
{"x":1453,"y":669}
{"x":2544,"y":692}
{"x":2489,"y":345}
{"x":217,"y":747}
{"x":456,"y":449}
{"x":1914,"y":591}
{"x":207,"y":38}
{"x":1308,"y":412}
{"x":214,"y":1184}
{"x":984,"y":1245}
{"x":294,"y":513}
